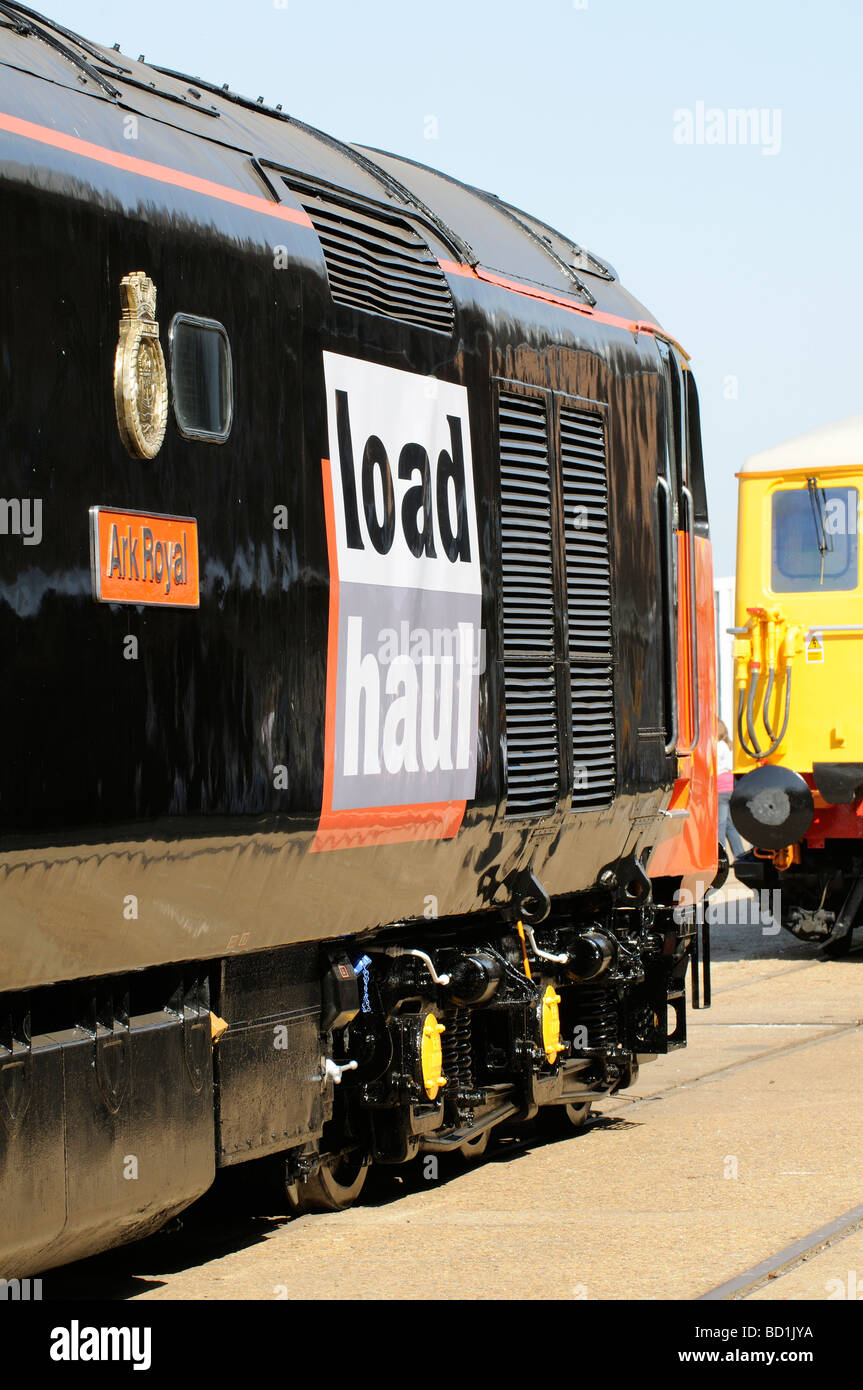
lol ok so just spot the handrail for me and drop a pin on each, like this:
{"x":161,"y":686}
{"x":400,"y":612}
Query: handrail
{"x":693,"y":622}
{"x":669,"y":607}
{"x":841,"y":627}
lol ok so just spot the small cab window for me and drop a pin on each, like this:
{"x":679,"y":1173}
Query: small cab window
{"x":814,"y":539}
{"x":201,"y":378}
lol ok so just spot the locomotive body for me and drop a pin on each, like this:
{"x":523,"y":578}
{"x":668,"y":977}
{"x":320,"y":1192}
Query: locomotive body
{"x":799,"y":736}
{"x":357,"y":631}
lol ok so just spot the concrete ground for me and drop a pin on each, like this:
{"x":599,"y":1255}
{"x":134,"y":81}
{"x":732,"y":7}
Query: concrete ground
{"x":720,"y":1156}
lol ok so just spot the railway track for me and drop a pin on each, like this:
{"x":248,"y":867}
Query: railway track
{"x":784,"y":1262}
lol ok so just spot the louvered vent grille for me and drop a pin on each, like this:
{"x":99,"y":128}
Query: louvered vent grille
{"x":525,"y":492}
{"x":378,"y":262}
{"x":532,"y":743}
{"x":592,"y":735}
{"x":588,"y":589}
{"x":585,"y":505}
{"x":530,"y":687}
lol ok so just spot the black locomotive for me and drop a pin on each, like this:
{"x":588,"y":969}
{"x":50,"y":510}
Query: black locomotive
{"x":356,"y":623}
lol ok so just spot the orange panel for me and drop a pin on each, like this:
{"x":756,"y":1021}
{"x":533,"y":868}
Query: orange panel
{"x":139,"y":557}
{"x":690,"y":845}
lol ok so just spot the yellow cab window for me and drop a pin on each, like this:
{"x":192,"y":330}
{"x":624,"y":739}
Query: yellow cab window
{"x":814,"y":547}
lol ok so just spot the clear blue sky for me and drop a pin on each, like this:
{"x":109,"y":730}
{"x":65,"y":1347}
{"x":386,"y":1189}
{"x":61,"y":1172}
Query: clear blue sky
{"x":567,"y":109}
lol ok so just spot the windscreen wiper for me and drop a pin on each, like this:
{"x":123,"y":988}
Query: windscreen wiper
{"x":818,"y":499}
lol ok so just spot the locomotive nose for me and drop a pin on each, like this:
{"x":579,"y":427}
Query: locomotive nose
{"x":772,"y":807}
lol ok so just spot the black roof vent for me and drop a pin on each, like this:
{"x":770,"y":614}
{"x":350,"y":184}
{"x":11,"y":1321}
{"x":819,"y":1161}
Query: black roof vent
{"x":377,"y":261}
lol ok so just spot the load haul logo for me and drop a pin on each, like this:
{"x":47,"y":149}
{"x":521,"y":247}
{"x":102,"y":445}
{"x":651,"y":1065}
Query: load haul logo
{"x":404,"y":641}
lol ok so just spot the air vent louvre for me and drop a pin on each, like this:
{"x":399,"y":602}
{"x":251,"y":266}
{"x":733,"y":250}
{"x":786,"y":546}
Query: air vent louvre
{"x":532,"y":743}
{"x":530,"y":686}
{"x":588,"y":590}
{"x":525,"y":499}
{"x":378,"y":262}
{"x":593,"y":754}
{"x":585,"y":505}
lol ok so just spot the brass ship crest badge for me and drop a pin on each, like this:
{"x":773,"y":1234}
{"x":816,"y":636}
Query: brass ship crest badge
{"x":140,"y":379}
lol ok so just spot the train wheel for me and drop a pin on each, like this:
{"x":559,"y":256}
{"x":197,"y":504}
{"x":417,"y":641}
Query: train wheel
{"x":563,"y":1119}
{"x":335,"y":1186}
{"x":473,"y":1149}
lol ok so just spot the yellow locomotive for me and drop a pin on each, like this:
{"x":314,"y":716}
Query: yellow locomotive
{"x":798,"y":738}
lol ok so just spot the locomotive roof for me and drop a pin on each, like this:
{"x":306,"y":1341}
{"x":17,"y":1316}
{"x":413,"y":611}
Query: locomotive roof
{"x":839,"y":445}
{"x":478,"y":228}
